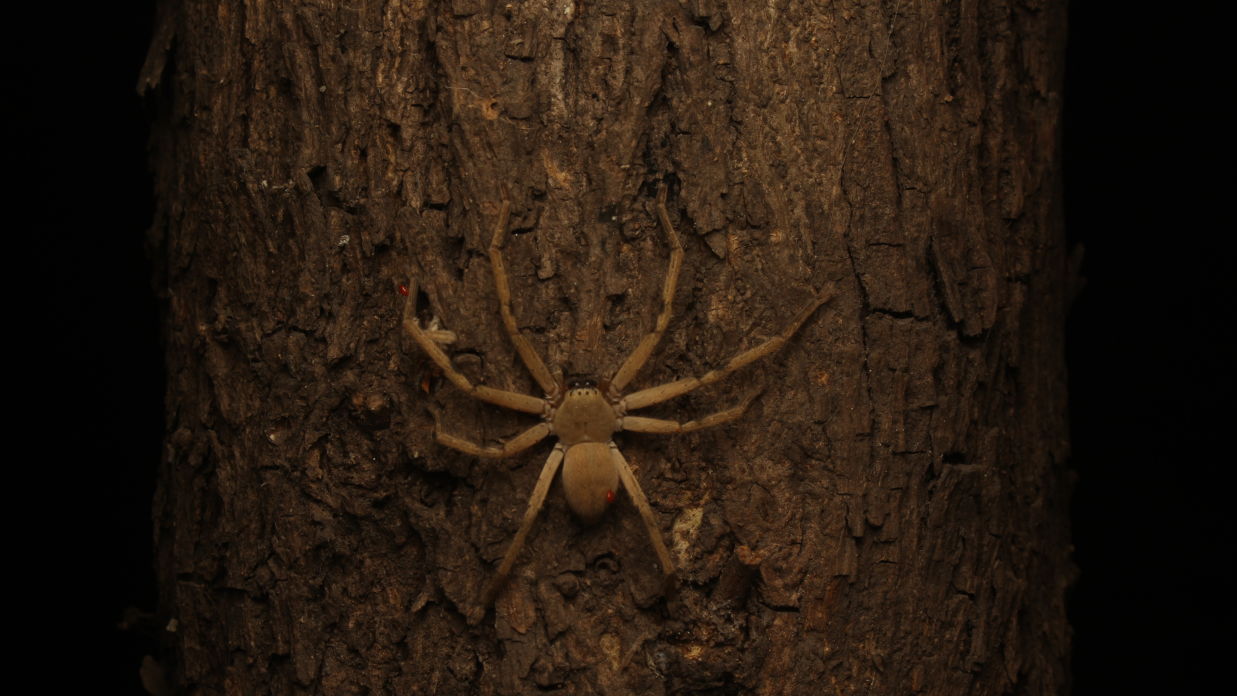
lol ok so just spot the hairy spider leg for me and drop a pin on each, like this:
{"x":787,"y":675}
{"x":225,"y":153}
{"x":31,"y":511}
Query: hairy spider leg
{"x":511,"y":447}
{"x":644,"y":349}
{"x":499,"y":397}
{"x":530,"y":515}
{"x":533,"y":361}
{"x":641,"y":424}
{"x":669,"y":390}
{"x":646,"y":512}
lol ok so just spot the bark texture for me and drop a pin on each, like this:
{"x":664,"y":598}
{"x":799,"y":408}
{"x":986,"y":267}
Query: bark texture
{"x":889,"y":517}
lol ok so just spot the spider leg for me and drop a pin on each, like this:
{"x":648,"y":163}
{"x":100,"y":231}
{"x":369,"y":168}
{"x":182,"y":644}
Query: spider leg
{"x":640,"y":424}
{"x":641,"y":354}
{"x":530,"y":515}
{"x":515,"y":445}
{"x":646,"y":512}
{"x":507,"y":399}
{"x":535,"y":365}
{"x":669,"y":390}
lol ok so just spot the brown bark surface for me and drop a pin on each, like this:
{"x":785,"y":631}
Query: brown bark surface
{"x":889,"y":517}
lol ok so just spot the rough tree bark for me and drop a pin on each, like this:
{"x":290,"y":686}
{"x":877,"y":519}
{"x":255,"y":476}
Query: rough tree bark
{"x":889,"y":517}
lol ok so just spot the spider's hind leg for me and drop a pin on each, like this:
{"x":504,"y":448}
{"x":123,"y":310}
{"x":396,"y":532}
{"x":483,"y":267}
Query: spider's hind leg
{"x":530,"y":515}
{"x":646,"y":513}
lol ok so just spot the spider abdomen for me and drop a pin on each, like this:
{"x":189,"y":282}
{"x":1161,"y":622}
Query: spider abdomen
{"x":590,"y":480}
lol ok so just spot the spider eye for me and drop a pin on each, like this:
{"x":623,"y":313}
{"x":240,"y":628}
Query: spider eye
{"x":581,"y":383}
{"x":609,"y":496}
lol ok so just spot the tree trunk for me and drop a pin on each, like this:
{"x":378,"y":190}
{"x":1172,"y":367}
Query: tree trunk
{"x":888,"y":516}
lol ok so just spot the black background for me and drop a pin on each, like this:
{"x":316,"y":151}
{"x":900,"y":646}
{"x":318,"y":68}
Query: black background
{"x":1150,"y":346}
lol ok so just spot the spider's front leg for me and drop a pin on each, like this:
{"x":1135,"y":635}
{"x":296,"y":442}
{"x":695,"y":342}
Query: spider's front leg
{"x":535,"y":364}
{"x":499,"y":397}
{"x":669,"y":390}
{"x":644,"y":349}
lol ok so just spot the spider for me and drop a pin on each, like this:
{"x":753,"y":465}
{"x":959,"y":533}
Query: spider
{"x":584,"y":414}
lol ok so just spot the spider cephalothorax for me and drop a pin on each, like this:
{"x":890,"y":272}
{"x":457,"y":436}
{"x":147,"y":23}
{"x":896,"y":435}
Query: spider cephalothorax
{"x":584,"y":414}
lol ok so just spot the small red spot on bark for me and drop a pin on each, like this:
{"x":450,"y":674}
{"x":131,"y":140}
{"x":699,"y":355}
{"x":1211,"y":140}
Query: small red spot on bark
{"x":609,"y":496}
{"x":403,"y":290}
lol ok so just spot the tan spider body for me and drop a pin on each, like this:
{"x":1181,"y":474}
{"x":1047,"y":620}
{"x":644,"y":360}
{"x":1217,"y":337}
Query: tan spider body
{"x":585,"y":425}
{"x":584,"y":416}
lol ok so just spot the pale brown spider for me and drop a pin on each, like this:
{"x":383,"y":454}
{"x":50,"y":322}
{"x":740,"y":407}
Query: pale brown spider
{"x":585,"y":415}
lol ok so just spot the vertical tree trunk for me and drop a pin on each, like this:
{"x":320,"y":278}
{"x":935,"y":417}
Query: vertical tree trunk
{"x":888,"y":517}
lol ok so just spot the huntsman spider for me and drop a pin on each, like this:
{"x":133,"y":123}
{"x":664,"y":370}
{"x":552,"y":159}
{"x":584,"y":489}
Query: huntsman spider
{"x":584,"y":414}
